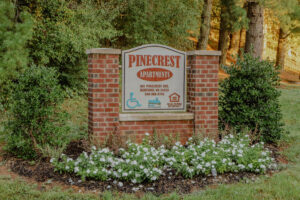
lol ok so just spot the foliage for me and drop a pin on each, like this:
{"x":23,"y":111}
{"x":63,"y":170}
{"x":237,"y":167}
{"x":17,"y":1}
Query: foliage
{"x":143,"y":162}
{"x":165,"y":22}
{"x":35,"y":125}
{"x":249,"y":98}
{"x":64,"y":30}
{"x":288,"y":14}
{"x":233,"y":15}
{"x":15,"y":31}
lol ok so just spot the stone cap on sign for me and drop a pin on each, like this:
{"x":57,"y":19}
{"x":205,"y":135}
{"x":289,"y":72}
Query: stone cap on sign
{"x":103,"y":51}
{"x":203,"y":53}
{"x":155,"y":116}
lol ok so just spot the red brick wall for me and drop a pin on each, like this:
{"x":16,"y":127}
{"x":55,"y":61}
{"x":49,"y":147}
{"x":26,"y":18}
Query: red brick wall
{"x":202,"y":89}
{"x":103,"y":95}
{"x":103,"y":84}
{"x":137,"y":129}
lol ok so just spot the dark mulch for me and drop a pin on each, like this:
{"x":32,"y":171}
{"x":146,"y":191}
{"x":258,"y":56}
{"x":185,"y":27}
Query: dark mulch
{"x":43,"y":171}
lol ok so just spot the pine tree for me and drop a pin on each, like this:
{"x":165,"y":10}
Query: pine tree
{"x":255,"y":35}
{"x":15,"y":31}
{"x":205,"y":25}
{"x":288,"y":14}
{"x":233,"y":18}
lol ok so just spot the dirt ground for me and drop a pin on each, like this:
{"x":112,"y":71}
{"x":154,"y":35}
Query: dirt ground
{"x":42,"y":173}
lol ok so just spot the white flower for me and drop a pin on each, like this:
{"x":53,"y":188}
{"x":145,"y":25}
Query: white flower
{"x":147,"y":134}
{"x":76,"y":169}
{"x":153,"y":178}
{"x":134,"y":162}
{"x":88,"y":171}
{"x":94,"y":148}
{"x":120,"y":184}
{"x":52,"y":160}
{"x":213,"y":162}
{"x":207,"y":164}
{"x":263,"y":153}
{"x":262,"y":166}
{"x":199,"y":166}
{"x":67,"y":167}
{"x":241,"y":166}
{"x":214,"y":172}
{"x":250,"y":165}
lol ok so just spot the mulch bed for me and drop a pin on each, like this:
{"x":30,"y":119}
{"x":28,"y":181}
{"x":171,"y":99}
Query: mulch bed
{"x":44,"y":172}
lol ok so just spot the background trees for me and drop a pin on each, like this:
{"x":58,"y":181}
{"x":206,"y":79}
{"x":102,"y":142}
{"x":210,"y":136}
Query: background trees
{"x":56,"y":33}
{"x":288,"y":14}
{"x":233,"y":18}
{"x":15,"y":32}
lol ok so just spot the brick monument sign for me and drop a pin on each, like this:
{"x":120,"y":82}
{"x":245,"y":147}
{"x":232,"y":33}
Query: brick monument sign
{"x":163,"y":90}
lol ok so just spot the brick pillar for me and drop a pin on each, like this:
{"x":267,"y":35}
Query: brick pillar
{"x":103,"y":93}
{"x":202,"y":90}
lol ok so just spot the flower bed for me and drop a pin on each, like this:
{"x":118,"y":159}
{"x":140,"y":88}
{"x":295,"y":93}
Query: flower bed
{"x":143,"y":162}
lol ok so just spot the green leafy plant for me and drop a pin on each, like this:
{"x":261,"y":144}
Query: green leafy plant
{"x":15,"y":31}
{"x":35,"y":125}
{"x":249,"y":99}
{"x":143,"y":162}
{"x":63,"y":30}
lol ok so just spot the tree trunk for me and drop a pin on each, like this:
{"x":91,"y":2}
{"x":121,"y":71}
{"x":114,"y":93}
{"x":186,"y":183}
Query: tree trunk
{"x":205,"y":25}
{"x":255,"y":35}
{"x":242,"y":40}
{"x":223,"y":42}
{"x":281,"y":49}
{"x":235,"y":42}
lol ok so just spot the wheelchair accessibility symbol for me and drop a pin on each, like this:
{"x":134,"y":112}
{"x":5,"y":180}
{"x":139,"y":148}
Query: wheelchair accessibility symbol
{"x":132,"y":102}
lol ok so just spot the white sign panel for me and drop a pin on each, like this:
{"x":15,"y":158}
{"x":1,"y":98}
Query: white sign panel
{"x":153,"y":79}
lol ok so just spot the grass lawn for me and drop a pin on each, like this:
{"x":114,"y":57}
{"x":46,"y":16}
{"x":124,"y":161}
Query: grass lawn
{"x":283,"y":185}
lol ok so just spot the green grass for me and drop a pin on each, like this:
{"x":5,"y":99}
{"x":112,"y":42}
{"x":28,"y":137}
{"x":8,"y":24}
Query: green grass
{"x":284,"y":185}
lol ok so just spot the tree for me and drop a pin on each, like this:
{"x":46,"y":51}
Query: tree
{"x":205,"y":25}
{"x":234,"y":42}
{"x":15,"y":31}
{"x":63,"y":30}
{"x":233,"y":18}
{"x":288,"y":14}
{"x":166,"y":22}
{"x":255,"y":35}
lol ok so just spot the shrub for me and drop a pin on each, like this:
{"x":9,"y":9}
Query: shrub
{"x":35,"y":124}
{"x":63,"y":30}
{"x":15,"y":31}
{"x":249,"y":98}
{"x":143,"y":162}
